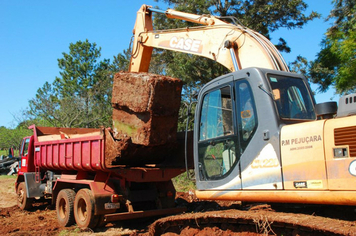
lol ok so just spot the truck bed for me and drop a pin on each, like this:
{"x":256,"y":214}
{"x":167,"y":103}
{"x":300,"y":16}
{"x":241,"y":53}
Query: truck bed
{"x":86,"y":149}
{"x":69,"y":149}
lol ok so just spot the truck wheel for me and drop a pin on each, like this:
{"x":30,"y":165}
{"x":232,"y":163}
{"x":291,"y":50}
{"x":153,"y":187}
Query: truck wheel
{"x":84,"y":209}
{"x":64,"y":207}
{"x":23,"y":201}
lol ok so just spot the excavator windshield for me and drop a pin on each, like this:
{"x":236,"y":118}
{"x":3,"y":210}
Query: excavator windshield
{"x":292,"y":98}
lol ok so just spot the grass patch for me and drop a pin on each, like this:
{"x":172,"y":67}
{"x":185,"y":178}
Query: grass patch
{"x":182,"y":183}
{"x":6,"y":152}
{"x":67,"y":232}
{"x":2,"y":177}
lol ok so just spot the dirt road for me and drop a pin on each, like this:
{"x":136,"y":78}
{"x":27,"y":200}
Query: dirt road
{"x":213,"y":218}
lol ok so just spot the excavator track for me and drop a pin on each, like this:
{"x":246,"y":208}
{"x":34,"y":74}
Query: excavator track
{"x":236,"y":222}
{"x":236,"y":218}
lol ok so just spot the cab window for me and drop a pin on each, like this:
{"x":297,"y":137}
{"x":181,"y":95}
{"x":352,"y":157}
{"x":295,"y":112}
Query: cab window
{"x":216,"y":115}
{"x":246,"y":110}
{"x":216,"y":144}
{"x":292,"y":98}
{"x":24,"y":147}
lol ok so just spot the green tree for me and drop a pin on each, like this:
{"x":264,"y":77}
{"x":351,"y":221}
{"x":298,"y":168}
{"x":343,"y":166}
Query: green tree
{"x":81,"y":96}
{"x":80,"y":82}
{"x":335,"y":64}
{"x":3,"y":138}
{"x":12,"y":137}
{"x":121,"y":61}
{"x":46,"y":105}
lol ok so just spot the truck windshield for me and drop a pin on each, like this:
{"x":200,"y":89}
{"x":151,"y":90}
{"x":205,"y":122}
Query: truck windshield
{"x":24,"y":147}
{"x":292,"y":98}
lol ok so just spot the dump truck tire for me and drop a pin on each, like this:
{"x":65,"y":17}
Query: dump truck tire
{"x":23,"y":201}
{"x":65,"y":207}
{"x":84,"y":206}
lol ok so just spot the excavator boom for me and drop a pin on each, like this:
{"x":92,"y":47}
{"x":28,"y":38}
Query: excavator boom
{"x":234,"y":46}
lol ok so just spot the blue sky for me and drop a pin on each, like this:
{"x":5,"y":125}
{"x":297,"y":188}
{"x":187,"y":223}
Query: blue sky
{"x":34,"y":34}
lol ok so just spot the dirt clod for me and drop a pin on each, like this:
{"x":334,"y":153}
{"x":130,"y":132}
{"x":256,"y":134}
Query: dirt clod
{"x":145,"y":108}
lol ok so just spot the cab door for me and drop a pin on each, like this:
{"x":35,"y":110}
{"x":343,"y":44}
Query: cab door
{"x":24,"y":155}
{"x":216,"y":142}
{"x":27,"y":155}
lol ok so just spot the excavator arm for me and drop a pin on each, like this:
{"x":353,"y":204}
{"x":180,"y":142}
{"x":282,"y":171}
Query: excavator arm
{"x":234,"y":46}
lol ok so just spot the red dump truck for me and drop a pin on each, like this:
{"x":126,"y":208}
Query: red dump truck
{"x":95,"y":176}
{"x":107,"y":174}
{"x":75,"y":168}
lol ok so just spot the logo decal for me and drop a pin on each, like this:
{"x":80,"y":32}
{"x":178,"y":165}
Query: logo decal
{"x":183,"y":44}
{"x":300,"y":184}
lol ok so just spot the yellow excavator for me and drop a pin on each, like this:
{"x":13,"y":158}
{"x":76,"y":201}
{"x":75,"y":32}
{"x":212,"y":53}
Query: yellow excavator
{"x":259,"y":136}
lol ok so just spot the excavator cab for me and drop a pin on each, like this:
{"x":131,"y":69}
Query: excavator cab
{"x":237,"y":131}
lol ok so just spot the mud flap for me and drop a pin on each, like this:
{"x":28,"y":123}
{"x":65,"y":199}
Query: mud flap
{"x":33,"y":188}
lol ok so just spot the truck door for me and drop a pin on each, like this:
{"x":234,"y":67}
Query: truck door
{"x":24,"y":154}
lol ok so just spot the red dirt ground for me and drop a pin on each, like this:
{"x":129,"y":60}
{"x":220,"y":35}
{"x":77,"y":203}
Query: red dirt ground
{"x":213,"y":218}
